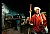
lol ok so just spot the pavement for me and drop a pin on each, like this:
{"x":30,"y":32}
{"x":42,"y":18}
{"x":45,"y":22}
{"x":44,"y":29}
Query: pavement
{"x":11,"y":31}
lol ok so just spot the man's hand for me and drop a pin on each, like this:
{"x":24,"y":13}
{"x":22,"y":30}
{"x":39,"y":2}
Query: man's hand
{"x":31,"y":24}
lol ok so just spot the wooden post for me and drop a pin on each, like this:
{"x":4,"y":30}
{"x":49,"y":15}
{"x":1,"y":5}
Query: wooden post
{"x":30,"y":17}
{"x":30,"y":10}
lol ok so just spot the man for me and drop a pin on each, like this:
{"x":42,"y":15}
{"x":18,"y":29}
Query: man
{"x":39,"y":21}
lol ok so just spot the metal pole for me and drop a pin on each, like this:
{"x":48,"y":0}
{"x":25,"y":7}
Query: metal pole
{"x":3,"y":26}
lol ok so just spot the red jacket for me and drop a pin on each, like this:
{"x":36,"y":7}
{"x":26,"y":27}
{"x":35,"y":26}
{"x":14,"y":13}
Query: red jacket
{"x":37,"y":21}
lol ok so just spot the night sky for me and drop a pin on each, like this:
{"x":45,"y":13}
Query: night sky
{"x":23,"y":6}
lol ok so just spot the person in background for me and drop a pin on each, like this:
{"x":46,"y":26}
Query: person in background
{"x":39,"y":22}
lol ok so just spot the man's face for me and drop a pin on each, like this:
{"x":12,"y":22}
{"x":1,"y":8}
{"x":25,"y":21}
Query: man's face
{"x":37,"y":11}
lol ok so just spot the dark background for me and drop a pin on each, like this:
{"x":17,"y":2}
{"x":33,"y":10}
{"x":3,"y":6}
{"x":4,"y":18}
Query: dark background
{"x":23,"y":6}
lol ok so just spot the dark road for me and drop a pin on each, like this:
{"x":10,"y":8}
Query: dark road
{"x":10,"y":31}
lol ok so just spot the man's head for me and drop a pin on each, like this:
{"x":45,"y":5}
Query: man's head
{"x":37,"y":9}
